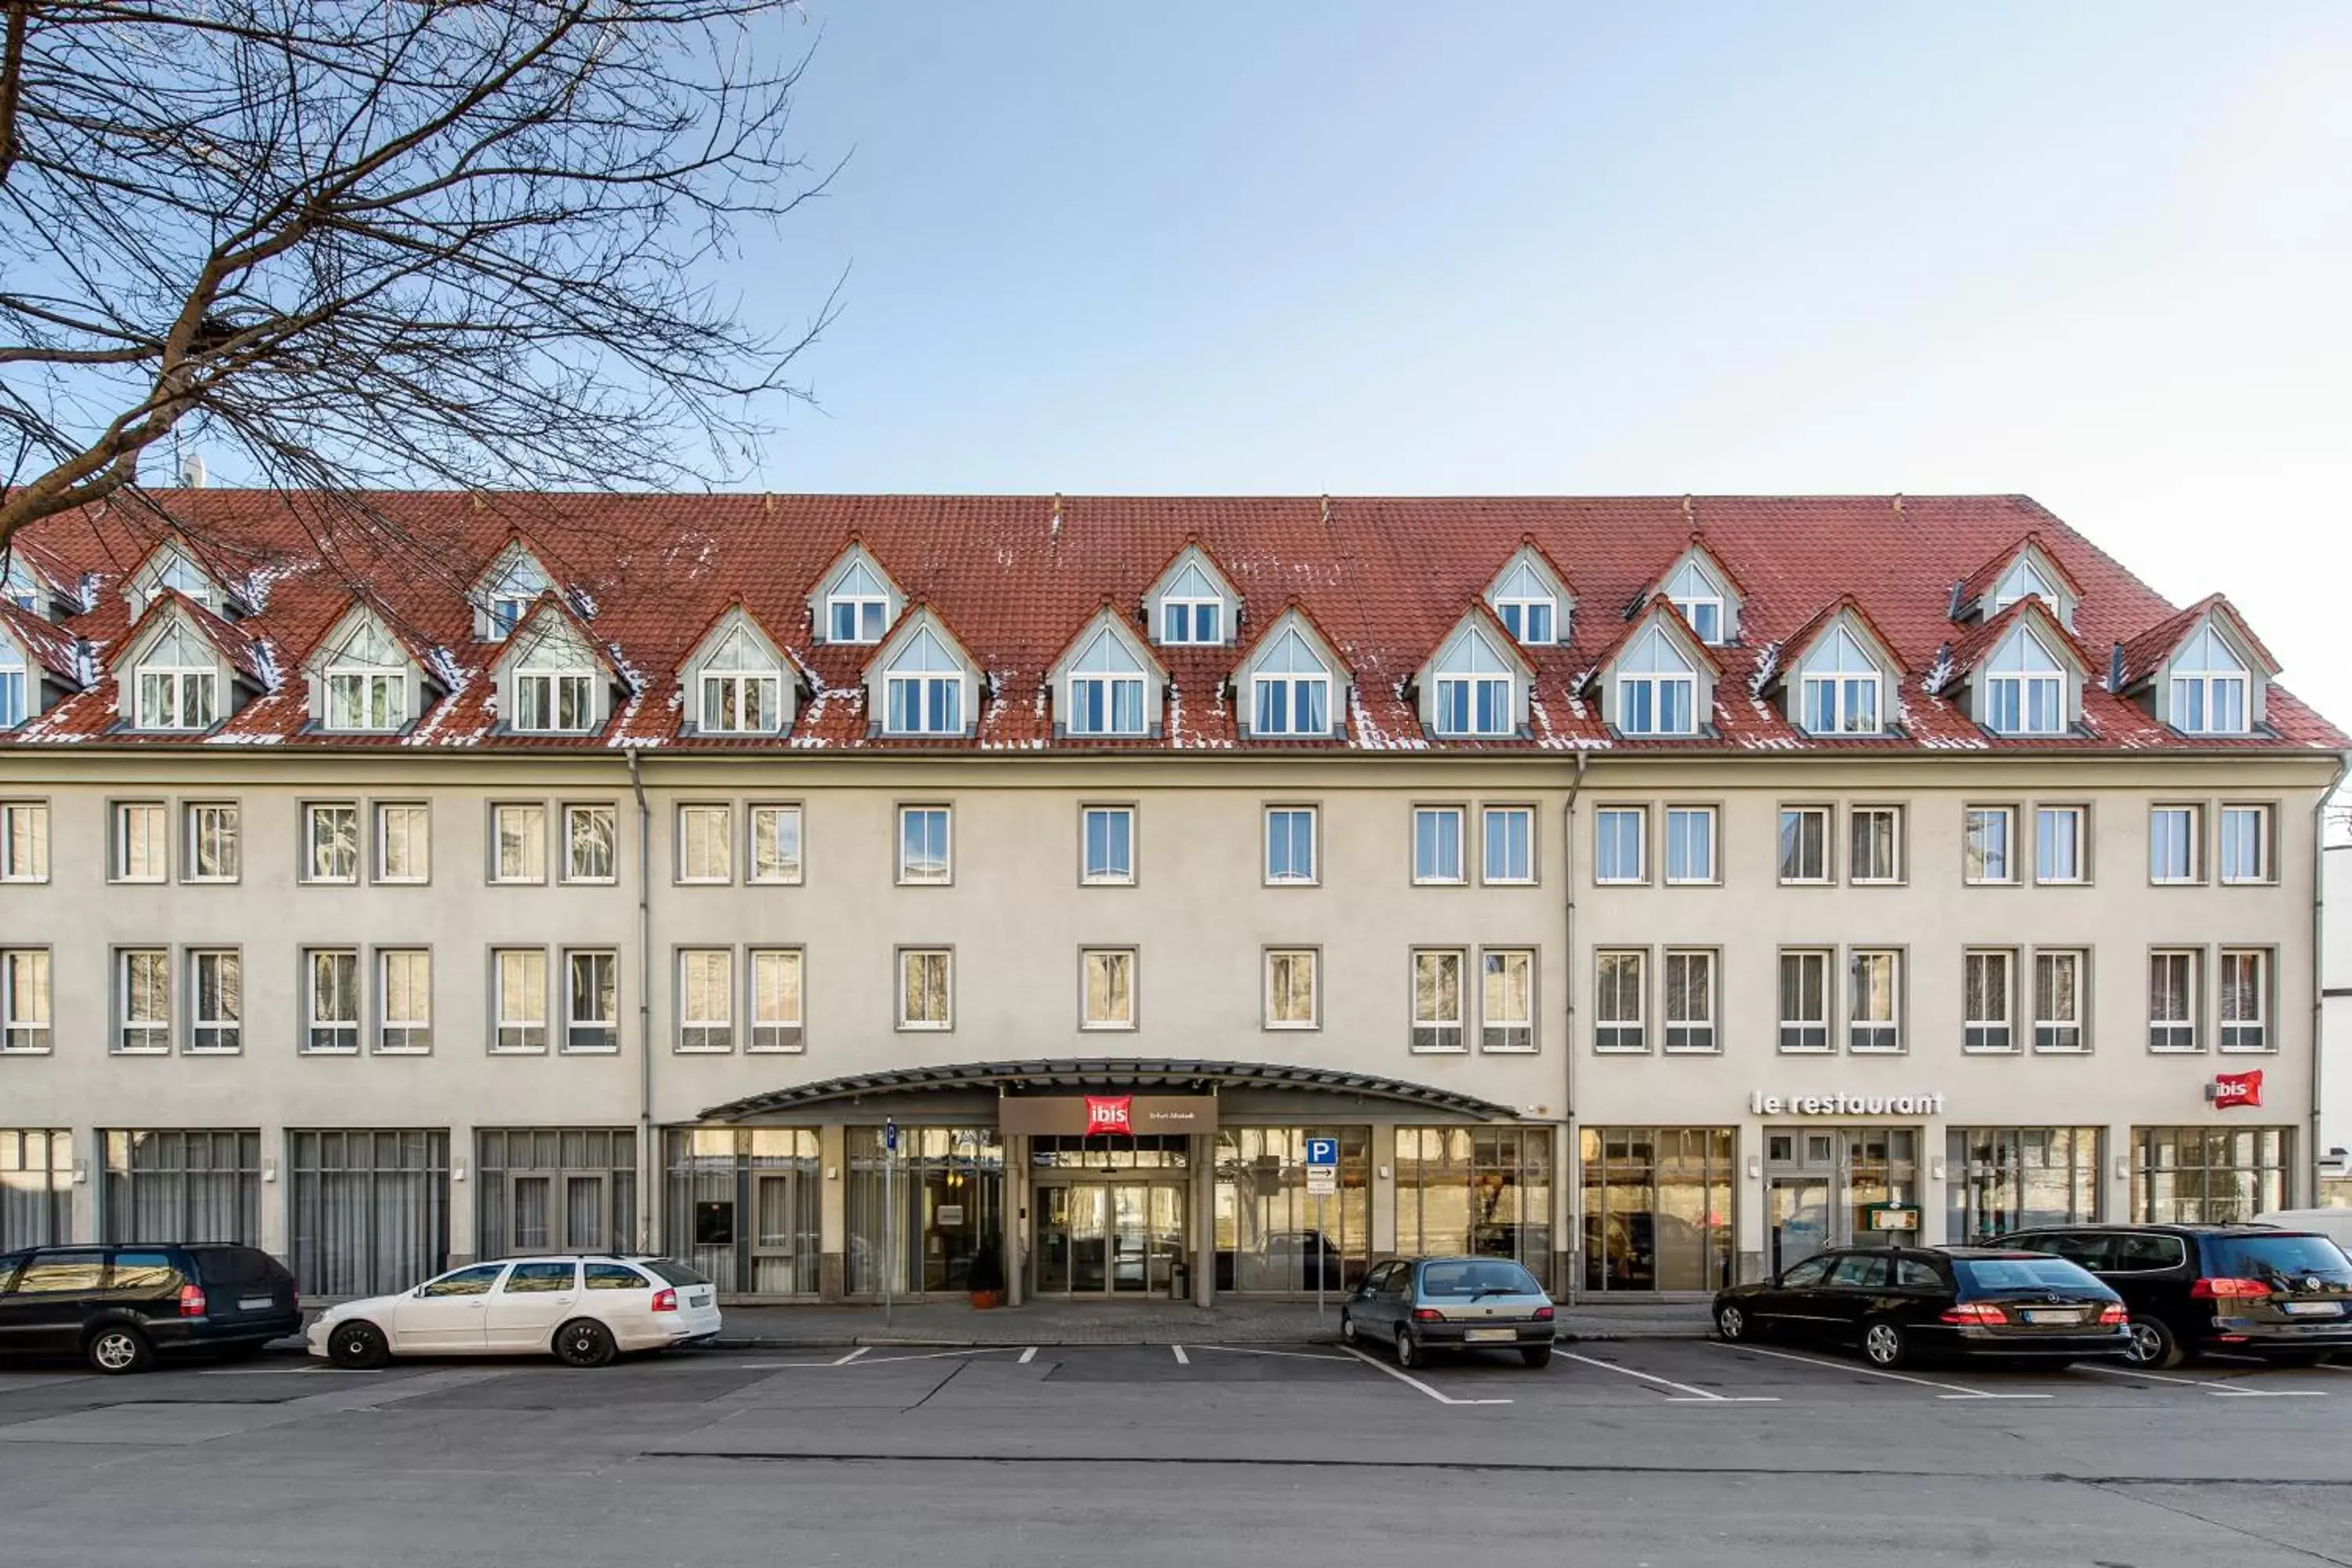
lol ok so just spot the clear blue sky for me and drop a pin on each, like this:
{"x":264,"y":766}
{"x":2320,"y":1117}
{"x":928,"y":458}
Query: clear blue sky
{"x":2095,"y":253}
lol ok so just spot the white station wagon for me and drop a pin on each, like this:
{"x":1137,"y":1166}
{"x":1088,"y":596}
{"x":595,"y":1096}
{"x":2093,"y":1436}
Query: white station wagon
{"x":584,"y":1310}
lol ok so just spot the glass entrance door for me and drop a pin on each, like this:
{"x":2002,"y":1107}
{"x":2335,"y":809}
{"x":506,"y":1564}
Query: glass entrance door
{"x":1107,"y":1238}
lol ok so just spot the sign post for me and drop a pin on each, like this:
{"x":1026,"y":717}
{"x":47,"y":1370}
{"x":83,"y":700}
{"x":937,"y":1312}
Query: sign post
{"x":889,"y":1210}
{"x":1322,"y":1180}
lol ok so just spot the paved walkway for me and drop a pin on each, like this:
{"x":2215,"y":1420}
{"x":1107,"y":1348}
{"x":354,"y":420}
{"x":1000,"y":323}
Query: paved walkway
{"x":1134,"y":1323}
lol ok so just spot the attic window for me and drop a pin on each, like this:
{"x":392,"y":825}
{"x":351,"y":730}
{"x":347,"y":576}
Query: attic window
{"x":12,"y":686}
{"x":518,"y":587}
{"x":1291,"y":690}
{"x":1700,"y":599}
{"x":1473,"y":692}
{"x":180,"y":574}
{"x":178,"y":683}
{"x":554,"y":690}
{"x":741,"y":691}
{"x":925,"y":690}
{"x":1528,"y":608}
{"x":1842,"y":689}
{"x":21,"y":590}
{"x":367,"y":682}
{"x":1191,"y":611}
{"x":2022,"y":578}
{"x":2209,"y":686}
{"x":1107,"y":689}
{"x":857,"y":607}
{"x":2025,"y":689}
{"x":1657,"y":690}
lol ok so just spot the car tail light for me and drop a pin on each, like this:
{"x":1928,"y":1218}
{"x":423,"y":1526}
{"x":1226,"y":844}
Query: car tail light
{"x":1543,"y":1314}
{"x":1975,"y":1312}
{"x":1427,"y":1315}
{"x":2229,"y":1289}
{"x":665,"y":1301}
{"x":191,"y":1300}
{"x":2114,"y":1313}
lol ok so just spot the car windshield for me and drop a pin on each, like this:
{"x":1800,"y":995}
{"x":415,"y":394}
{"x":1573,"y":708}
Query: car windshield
{"x":675,"y":1273}
{"x":1477,"y":1279}
{"x":2264,"y":1256}
{"x":2025,"y":1274}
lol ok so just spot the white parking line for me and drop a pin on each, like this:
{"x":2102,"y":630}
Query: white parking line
{"x":1688,"y":1395}
{"x":852,"y":1355}
{"x":1181,"y":1359}
{"x":1252,"y":1349}
{"x":2209,"y":1385}
{"x":1028,"y":1355}
{"x":779,"y":1365}
{"x":1406,"y":1377}
{"x":929,"y":1355}
{"x":1957,"y":1390}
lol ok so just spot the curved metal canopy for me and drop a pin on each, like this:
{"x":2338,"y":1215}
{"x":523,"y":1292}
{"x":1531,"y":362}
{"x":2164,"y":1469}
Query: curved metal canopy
{"x":1082,"y":1077}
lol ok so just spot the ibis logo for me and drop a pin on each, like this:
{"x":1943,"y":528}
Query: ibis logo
{"x":2231,"y":1089}
{"x":1109,"y":1113}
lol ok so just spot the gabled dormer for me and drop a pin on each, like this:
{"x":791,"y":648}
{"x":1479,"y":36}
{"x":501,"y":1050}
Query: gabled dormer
{"x":2202,"y":671}
{"x":182,"y":670}
{"x":1836,"y":675}
{"x":1531,"y":598}
{"x":31,"y":584}
{"x":553,"y":679}
{"x":507,"y":589}
{"x":173,"y":566}
{"x":40,"y":665}
{"x":920,"y":680}
{"x":2028,"y":569}
{"x":1107,"y":681}
{"x":1291,"y":684}
{"x":1657,"y":680}
{"x":738,"y":681}
{"x":1192,"y":604}
{"x":1702,"y":589}
{"x":2019,"y":675}
{"x":364,"y":677}
{"x":1475,"y":687}
{"x":854,"y":602}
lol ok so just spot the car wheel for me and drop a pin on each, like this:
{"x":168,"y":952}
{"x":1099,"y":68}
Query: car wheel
{"x":1536,"y":1356}
{"x":117,"y":1349}
{"x":1408,"y":1350}
{"x":1348,"y":1335}
{"x":1882,"y":1345}
{"x":2152,"y":1346}
{"x":584,"y":1341}
{"x":358,"y":1347}
{"x":1732,"y":1323}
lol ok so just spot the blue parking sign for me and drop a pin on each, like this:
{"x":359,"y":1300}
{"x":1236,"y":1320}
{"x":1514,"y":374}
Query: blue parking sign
{"x":1322,"y":1150}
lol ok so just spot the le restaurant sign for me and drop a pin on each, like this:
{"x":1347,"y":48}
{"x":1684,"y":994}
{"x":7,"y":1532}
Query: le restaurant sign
{"x":1762,"y":1104}
{"x":1107,"y":1115}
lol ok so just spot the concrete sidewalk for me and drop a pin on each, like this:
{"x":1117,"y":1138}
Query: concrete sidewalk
{"x":1133,"y":1323}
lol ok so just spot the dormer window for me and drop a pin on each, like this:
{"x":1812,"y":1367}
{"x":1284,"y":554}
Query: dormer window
{"x":367,"y":682}
{"x":22,"y":589}
{"x":743,"y":691}
{"x":1107,"y":689}
{"x":555,"y":688}
{"x":1473,"y":692}
{"x":1657,"y":690}
{"x":179,"y":683}
{"x":857,"y":606}
{"x":2023,"y":577}
{"x":1700,"y":598}
{"x":924,"y":688}
{"x":1527,"y":608}
{"x":1291,"y":690}
{"x":2209,"y":686}
{"x":1841,"y":685}
{"x":2025,"y":689}
{"x":1192,"y":610}
{"x":13,"y":677}
{"x":516,"y":585}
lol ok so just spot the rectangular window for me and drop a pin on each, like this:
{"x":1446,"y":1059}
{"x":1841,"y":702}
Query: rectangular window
{"x":1621,"y":840}
{"x":2172,"y":1000}
{"x":521,"y":834}
{"x":1985,"y":850}
{"x":926,"y":704}
{"x":1690,"y":999}
{"x":1690,"y":844}
{"x":2058,"y":976}
{"x":591,"y":1007}
{"x":1290,"y":989}
{"x":776,"y":1022}
{"x":1510,"y":836}
{"x":2172,"y":850}
{"x":926,"y":988}
{"x":331,"y":994}
{"x":176,"y":699}
{"x":142,"y":841}
{"x":2058,"y":843}
{"x":1191,"y":620}
{"x":520,"y":973}
{"x":1473,"y":705}
{"x":2246,"y":999}
{"x":553,"y":701}
{"x":1877,"y":1000}
{"x":1804,"y":844}
{"x":1805,"y":1000}
{"x":24,"y":1001}
{"x":591,"y":843}
{"x":1104,"y":704}
{"x":1988,"y":1000}
{"x":144,"y":998}
{"x":1437,"y":844}
{"x":24,"y":841}
{"x":365,"y":700}
{"x":331,"y":842}
{"x":215,"y":1000}
{"x":1620,"y":1001}
{"x":1508,"y":1016}
{"x":706,"y":843}
{"x":1437,"y":999}
{"x":2245,"y":844}
{"x":211,"y":851}
{"x":1289,"y":845}
{"x":1106,"y":978}
{"x":2211,"y":1175}
{"x":1106,"y":844}
{"x":404,"y":1000}
{"x":403,"y":842}
{"x":924,"y":850}
{"x":1657,"y":704}
{"x":706,"y":999}
{"x":1877,"y":848}
{"x":775,"y":844}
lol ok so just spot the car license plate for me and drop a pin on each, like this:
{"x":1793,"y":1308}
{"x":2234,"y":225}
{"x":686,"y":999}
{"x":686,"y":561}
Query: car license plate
{"x":700,"y":1299}
{"x":1487,"y":1336}
{"x":2054,"y":1317}
{"x":254,"y":1304}
{"x":2315,"y":1308}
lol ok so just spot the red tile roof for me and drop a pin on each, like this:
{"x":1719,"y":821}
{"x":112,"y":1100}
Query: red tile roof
{"x":1987,"y":577}
{"x":54,"y":648}
{"x":2141,"y":657}
{"x":1383,"y":578}
{"x":1972,"y":647}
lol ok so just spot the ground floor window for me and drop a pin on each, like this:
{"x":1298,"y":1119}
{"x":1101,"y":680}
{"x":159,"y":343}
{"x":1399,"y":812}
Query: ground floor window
{"x":1483,"y":1190}
{"x":183,"y":1184}
{"x":1658,"y":1207}
{"x":2209,"y":1175}
{"x":1826,"y":1186}
{"x":950,"y":1200}
{"x":1269,"y":1236}
{"x":36,"y":1187}
{"x":2008,"y":1178}
{"x":368,"y":1211}
{"x":741,"y":1205}
{"x":555,"y":1189}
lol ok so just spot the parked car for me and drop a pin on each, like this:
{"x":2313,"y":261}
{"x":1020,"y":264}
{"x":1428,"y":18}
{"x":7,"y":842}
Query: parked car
{"x":118,"y":1308}
{"x":1418,"y":1305}
{"x":584,"y":1310}
{"x":1899,"y":1303}
{"x":2283,"y":1295}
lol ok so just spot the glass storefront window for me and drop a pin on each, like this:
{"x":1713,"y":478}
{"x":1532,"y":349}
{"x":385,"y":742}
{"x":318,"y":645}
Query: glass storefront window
{"x":2209,"y":1175}
{"x":740,"y":1204}
{"x":184,"y":1185}
{"x":367,"y":1212}
{"x":1269,"y":1238}
{"x":36,"y":1187}
{"x":1658,"y":1207}
{"x":2007,"y":1178}
{"x":1475,"y":1190}
{"x":555,"y":1189}
{"x":1145,"y":1152}
{"x":951,"y":1201}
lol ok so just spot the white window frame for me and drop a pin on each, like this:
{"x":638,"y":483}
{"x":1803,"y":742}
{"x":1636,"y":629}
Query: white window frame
{"x":2054,"y":1035}
{"x":1489,"y":819}
{"x":2191,"y":817}
{"x":1830,"y":705}
{"x":777,"y":1033}
{"x":869,"y":629}
{"x":1654,"y":706}
{"x":1109,"y":873}
{"x":1506,"y":1029}
{"x":2180,"y":1033}
{"x":1691,"y":606}
{"x":518,"y":1018}
{"x":542,"y":697}
{"x":1977,"y":855}
{"x":529,"y":817}
{"x":1289,"y":875}
{"x":2201,"y":688}
{"x":364,"y":698}
{"x":1282,"y":706}
{"x":218,"y":821}
{"x":320,"y":820}
{"x":1608,"y":825}
{"x":324,"y":1034}
{"x":1991,"y":1034}
{"x":144,"y":1034}
{"x":1866,"y":1033}
{"x":1861,"y":868}
{"x":398,"y":1036}
{"x":1516,"y":613}
{"x":1464,"y":692}
{"x":922,"y":874}
{"x":1713,"y":873}
{"x":1292,"y":961}
{"x":700,"y":1030}
{"x":2249,"y":1033}
{"x":940,"y":959}
{"x":729,"y":696}
{"x":169,"y":695}
{"x":414,"y":834}
{"x":784,"y":872}
{"x":146,"y":822}
{"x":2265,"y":871}
{"x":1439,"y":1027}
{"x":1092,"y":697}
{"x":711,"y":826}
{"x":1620,"y":1011}
{"x":27,"y":1023}
{"x":2043,"y":873}
{"x":24,"y":840}
{"x":1430,"y":845}
{"x":1107,"y":962}
{"x":208,"y":1035}
{"x":576,"y":813}
{"x":1819,"y":818}
{"x":592,"y":1033}
{"x":1801,"y":1034}
{"x":1691,"y":1032}
{"x":1190,"y":607}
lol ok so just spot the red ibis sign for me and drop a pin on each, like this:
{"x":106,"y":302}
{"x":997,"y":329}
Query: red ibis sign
{"x":1113,"y":1113}
{"x":2231,"y":1089}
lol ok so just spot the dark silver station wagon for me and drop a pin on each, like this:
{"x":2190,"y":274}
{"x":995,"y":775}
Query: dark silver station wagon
{"x":1417,"y":1305}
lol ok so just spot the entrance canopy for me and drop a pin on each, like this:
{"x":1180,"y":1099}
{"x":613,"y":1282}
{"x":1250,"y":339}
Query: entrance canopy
{"x":1096,"y":1076}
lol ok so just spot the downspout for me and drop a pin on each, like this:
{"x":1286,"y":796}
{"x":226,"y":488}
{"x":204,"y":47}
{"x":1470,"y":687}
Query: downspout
{"x":1572,"y":1167}
{"x":648,"y":1167}
{"x":2319,"y":965}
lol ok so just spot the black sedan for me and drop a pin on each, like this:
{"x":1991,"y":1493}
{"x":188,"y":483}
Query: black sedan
{"x":1900,"y":1303}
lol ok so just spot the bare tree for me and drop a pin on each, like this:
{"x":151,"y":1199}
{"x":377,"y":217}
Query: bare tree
{"x":384,"y":243}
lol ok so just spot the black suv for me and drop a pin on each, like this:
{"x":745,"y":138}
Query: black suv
{"x":120,"y":1307}
{"x":2284,"y":1294}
